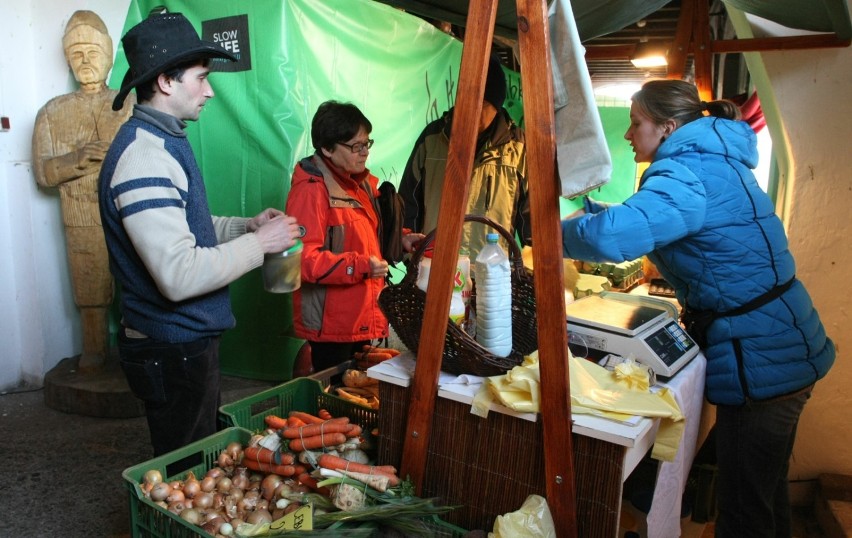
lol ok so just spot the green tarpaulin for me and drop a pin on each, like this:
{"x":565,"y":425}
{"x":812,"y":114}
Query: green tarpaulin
{"x":401,"y":71}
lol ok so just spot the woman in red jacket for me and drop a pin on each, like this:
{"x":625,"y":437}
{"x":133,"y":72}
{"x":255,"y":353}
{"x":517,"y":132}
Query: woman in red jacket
{"x":334,"y":197}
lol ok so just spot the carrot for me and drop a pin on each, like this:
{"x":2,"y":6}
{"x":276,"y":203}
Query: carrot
{"x":312,"y":430}
{"x":280,"y":470}
{"x":324,"y":414}
{"x":317,"y":441}
{"x":336,"y":463}
{"x":372,"y":355}
{"x":393,"y":352}
{"x":355,"y":431}
{"x":306,"y":417}
{"x":308,"y":480}
{"x":275,"y":422}
{"x":264,"y":455}
{"x":293,"y":422}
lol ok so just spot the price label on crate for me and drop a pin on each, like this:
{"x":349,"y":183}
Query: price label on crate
{"x":301,"y":519}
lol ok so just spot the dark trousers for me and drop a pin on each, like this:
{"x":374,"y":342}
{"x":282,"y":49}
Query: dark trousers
{"x":753,"y":447}
{"x":179,"y":384}
{"x":327,"y":354}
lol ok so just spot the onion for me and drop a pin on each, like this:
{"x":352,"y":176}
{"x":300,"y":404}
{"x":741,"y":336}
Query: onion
{"x":269,"y":485}
{"x":224,"y":484}
{"x":215,"y":472}
{"x":226,"y":529}
{"x":204,"y":500}
{"x":236,"y":494}
{"x":176,"y":495}
{"x":225,"y":461}
{"x":234,"y":449}
{"x":208,"y":483}
{"x":259,"y":516}
{"x":213,"y":525}
{"x":240,"y":481}
{"x":176,"y":507}
{"x":191,"y":515}
{"x":152,"y":477}
{"x":160,"y":492}
{"x":191,"y":488}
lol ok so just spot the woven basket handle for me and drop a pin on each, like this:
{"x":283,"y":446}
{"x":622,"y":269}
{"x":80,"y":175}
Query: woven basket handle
{"x":514,"y":252}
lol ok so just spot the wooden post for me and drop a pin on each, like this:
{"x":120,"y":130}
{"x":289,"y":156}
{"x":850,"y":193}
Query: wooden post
{"x":534,"y":42}
{"x":477,"y":46}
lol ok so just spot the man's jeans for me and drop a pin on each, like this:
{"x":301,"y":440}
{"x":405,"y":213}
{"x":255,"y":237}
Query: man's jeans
{"x":753,"y":447}
{"x":179,"y":384}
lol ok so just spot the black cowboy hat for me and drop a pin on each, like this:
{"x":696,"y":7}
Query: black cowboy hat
{"x":158,"y":43}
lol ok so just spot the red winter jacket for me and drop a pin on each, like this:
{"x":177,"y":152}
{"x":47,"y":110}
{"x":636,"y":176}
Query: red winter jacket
{"x":336,"y":302}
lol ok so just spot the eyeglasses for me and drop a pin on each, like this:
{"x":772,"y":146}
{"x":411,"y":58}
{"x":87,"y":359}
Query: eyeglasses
{"x":358,"y":147}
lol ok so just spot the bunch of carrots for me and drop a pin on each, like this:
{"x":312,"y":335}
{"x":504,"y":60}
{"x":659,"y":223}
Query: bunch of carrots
{"x":372,"y":355}
{"x":302,"y":431}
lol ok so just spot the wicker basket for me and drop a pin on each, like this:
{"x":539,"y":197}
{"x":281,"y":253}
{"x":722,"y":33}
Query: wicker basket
{"x":403,"y":305}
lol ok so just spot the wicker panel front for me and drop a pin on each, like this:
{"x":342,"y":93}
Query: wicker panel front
{"x":489,"y":466}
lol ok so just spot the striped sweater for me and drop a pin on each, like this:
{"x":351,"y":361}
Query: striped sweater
{"x":171,"y":258}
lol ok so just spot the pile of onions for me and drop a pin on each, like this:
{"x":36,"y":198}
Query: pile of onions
{"x":227,"y":495}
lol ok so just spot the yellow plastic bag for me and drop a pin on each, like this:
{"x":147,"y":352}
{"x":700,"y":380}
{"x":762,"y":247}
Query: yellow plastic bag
{"x":531,"y":519}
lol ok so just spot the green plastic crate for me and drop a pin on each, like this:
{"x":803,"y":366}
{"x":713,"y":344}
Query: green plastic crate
{"x":147,"y":520}
{"x":302,"y":394}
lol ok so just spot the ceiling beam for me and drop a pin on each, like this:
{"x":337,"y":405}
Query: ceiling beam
{"x":679,"y":50}
{"x":766,"y":44}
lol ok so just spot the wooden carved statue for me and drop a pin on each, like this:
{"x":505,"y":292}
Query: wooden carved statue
{"x":71,"y":136}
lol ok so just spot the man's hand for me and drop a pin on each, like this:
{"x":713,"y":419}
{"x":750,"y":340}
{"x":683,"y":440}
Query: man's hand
{"x":411,"y":241}
{"x":277,"y":233}
{"x":262,"y":218}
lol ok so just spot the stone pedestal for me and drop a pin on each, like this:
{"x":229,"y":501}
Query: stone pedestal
{"x":101,"y":393}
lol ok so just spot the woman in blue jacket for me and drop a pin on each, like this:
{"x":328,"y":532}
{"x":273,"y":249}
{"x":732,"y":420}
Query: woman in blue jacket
{"x":701,"y":217}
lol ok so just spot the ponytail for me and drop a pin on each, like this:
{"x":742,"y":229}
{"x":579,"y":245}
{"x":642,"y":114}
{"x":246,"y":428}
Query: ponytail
{"x":663,"y":100}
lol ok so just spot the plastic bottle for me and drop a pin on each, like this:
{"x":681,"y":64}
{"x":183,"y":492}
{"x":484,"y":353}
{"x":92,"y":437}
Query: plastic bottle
{"x":424,"y":268}
{"x":494,"y":298}
{"x":462,"y":287}
{"x":462,"y":284}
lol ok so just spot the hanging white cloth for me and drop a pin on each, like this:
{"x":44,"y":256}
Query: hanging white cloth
{"x":582,"y":155}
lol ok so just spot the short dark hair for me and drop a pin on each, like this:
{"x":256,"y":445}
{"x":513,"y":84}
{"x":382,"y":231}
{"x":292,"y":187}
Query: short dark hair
{"x":145,"y":91}
{"x":337,"y":122}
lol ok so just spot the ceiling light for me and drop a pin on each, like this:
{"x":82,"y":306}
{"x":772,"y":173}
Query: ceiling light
{"x":647,"y":55}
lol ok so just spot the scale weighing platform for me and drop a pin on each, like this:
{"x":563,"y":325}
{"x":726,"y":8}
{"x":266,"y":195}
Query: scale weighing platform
{"x":643,"y":328}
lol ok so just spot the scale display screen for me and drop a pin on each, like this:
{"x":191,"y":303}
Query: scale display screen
{"x":669,"y":343}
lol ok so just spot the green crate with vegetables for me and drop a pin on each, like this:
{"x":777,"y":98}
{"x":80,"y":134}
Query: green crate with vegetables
{"x":238,"y":483}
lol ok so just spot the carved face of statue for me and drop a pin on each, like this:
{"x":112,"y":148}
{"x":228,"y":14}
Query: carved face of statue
{"x":87,"y":58}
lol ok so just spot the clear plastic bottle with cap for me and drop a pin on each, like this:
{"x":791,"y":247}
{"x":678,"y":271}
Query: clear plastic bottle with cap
{"x":494,"y":298}
{"x":462,"y":284}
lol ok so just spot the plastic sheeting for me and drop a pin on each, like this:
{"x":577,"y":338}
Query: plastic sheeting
{"x":616,"y":395}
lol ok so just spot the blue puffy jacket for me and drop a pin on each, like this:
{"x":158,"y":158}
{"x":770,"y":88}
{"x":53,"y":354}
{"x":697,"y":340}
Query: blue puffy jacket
{"x":701,"y":217}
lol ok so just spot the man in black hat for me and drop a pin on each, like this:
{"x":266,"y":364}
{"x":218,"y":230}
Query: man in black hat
{"x":172,"y":259}
{"x":498,"y":184}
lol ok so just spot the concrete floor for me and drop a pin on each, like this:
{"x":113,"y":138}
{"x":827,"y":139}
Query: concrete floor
{"x":63,"y":474}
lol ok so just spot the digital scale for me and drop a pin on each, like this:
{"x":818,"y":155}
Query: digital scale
{"x":632,"y":326}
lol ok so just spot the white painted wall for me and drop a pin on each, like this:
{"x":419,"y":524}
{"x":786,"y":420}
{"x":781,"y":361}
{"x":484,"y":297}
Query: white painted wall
{"x":39,"y":323}
{"x":812,"y":90}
